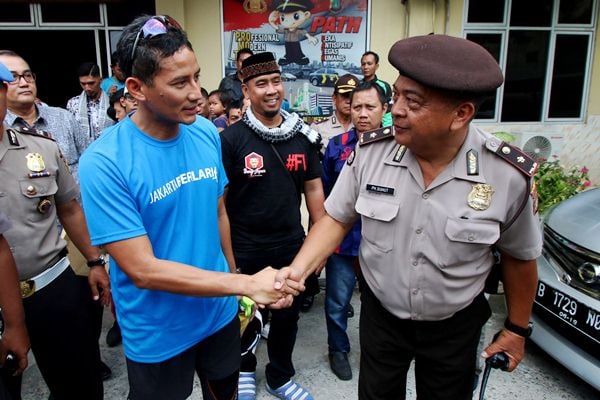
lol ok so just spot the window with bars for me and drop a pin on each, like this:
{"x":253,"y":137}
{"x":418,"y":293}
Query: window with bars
{"x":545,"y":50}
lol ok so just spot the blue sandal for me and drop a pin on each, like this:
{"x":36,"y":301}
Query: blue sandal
{"x":290,"y":391}
{"x":247,"y":386}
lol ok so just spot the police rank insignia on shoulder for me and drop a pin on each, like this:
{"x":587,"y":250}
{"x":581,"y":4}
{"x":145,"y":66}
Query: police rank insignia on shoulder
{"x":513,"y":155}
{"x":12,"y":137}
{"x":375,"y":135}
{"x":480,"y":197}
{"x":35,"y":132}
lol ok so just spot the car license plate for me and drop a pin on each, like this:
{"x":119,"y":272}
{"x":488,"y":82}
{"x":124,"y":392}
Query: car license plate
{"x":571,"y":311}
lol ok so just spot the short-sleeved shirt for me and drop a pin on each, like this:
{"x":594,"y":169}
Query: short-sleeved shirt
{"x":168,"y":190}
{"x":63,"y":127}
{"x":220,"y":122}
{"x":292,"y":35}
{"x":329,"y":128}
{"x":263,"y":198}
{"x":33,"y":170}
{"x":425,"y":252}
{"x":4,"y":223}
{"x":108,"y":82}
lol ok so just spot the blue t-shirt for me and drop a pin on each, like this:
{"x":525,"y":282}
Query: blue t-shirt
{"x":108,"y":82}
{"x":134,"y":185}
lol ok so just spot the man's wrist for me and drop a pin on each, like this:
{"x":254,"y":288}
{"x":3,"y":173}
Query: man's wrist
{"x":518,"y":330}
{"x":96,"y":262}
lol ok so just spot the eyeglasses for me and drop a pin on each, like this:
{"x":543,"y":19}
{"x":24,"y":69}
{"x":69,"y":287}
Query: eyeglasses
{"x":27,"y":75}
{"x":155,"y":26}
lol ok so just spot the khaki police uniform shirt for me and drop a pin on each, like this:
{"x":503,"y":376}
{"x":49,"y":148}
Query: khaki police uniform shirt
{"x":425,"y":252}
{"x":4,"y":223}
{"x":35,"y":237}
{"x":329,"y":128}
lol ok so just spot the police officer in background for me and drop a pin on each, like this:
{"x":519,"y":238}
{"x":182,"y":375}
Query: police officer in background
{"x":341,"y":120}
{"x":37,"y":187}
{"x":434,"y":195}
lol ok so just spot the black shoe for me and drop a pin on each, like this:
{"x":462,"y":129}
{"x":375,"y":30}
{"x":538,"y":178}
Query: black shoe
{"x":350,"y":311}
{"x":105,"y":371}
{"x":303,"y":61}
{"x":340,"y":365}
{"x":307,"y":303}
{"x":113,"y":337}
{"x":283,"y":61}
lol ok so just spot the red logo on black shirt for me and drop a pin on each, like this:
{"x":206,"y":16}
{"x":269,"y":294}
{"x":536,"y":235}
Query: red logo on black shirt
{"x":254,"y":165}
{"x":295,"y":161}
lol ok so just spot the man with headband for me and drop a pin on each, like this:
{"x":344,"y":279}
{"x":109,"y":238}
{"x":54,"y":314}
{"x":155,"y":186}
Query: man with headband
{"x":271,"y":157}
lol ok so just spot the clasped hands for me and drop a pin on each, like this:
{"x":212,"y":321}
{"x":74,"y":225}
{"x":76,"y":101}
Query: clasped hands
{"x":276,"y":288}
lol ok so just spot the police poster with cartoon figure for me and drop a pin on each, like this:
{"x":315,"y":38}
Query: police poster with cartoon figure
{"x":314,"y":42}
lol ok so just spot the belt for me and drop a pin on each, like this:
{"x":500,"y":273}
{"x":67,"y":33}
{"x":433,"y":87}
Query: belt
{"x":38,"y":282}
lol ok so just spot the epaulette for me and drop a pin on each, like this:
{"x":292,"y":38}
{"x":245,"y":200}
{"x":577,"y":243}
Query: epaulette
{"x":375,"y":135}
{"x":34,"y":132}
{"x":319,"y":120}
{"x":513,"y":155}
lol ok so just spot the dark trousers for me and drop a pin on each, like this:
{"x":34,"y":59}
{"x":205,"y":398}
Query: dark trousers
{"x":444,"y":352}
{"x":216,"y":360}
{"x":284,"y":322}
{"x":63,"y":339}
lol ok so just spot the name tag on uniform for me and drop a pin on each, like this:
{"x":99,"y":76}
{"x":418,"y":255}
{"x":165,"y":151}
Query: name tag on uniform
{"x":379,"y":189}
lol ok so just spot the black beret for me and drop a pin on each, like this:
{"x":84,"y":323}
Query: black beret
{"x":446,"y":62}
{"x":292,"y":5}
{"x":259,"y":64}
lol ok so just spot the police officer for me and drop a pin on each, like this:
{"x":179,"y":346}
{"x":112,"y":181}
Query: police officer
{"x":36,"y":187}
{"x":341,"y":120}
{"x":434,"y":194}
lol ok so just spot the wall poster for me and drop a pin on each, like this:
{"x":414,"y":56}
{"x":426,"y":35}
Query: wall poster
{"x":314,"y":42}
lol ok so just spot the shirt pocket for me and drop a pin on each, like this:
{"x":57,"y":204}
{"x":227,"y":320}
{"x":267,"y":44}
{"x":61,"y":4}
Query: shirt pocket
{"x":35,"y":192}
{"x":468,"y":240}
{"x":378,"y":221}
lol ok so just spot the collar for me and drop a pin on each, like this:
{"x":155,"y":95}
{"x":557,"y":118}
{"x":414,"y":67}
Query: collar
{"x":11,"y":118}
{"x":458,"y":168}
{"x":375,"y":78}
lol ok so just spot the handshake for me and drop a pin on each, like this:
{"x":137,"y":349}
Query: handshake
{"x":275,"y":288}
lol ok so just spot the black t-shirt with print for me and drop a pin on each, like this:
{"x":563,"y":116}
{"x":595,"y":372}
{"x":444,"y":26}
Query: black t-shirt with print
{"x":262,"y":202}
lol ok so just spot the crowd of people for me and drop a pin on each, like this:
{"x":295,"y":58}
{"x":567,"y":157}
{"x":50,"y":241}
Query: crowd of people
{"x":404,"y":195}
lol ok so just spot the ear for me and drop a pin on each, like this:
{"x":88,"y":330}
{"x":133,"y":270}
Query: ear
{"x":245,"y":90}
{"x":463,"y":114}
{"x":135,"y":87}
{"x":385,"y":108}
{"x":306,"y":15}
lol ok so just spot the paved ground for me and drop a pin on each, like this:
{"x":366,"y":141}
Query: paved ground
{"x":538,"y":377}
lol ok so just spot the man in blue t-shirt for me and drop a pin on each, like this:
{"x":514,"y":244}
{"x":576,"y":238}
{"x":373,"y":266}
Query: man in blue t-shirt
{"x":152,"y":192}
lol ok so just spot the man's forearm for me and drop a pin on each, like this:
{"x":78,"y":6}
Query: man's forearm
{"x":322,"y":240}
{"x":73,"y":221}
{"x":10,"y":296}
{"x":520,"y":282}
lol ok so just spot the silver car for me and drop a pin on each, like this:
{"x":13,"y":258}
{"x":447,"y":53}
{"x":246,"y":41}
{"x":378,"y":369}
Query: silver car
{"x":566,"y":312}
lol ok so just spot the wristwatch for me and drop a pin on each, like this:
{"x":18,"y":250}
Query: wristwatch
{"x":97,"y":262}
{"x":524,"y":332}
